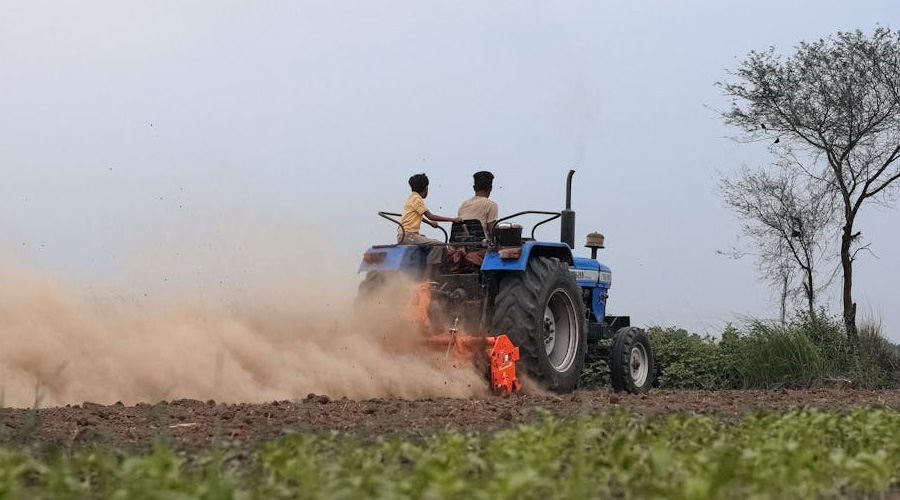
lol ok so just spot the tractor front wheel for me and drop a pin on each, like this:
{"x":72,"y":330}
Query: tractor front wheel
{"x":541,"y":311}
{"x":631,"y":361}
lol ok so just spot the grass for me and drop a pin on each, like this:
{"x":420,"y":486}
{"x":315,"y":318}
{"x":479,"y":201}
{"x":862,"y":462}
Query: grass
{"x":772,"y":356}
{"x":767,"y":355}
{"x":798,"y":455}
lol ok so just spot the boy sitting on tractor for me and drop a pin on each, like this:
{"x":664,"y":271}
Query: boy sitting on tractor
{"x":414,"y":211}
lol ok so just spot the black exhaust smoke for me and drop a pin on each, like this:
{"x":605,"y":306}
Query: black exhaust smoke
{"x":567,"y":217}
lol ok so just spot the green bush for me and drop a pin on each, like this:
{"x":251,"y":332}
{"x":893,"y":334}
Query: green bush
{"x":689,"y":361}
{"x":808,"y":351}
{"x":595,"y":374}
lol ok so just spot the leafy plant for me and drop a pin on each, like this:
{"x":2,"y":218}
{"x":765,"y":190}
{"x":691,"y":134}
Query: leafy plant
{"x":690,"y":361}
{"x":798,"y":455}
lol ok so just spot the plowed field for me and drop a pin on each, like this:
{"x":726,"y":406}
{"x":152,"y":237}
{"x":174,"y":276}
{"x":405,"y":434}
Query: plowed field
{"x":193,"y":426}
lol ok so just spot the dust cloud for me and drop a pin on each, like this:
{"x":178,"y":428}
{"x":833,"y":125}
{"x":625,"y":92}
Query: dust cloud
{"x":204,"y":326}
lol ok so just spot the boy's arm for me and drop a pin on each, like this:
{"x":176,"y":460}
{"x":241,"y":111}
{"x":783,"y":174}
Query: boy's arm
{"x":434,"y":219}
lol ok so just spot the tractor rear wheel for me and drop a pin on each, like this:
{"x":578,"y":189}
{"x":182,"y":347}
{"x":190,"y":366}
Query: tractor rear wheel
{"x":631,"y":361}
{"x":541,"y":311}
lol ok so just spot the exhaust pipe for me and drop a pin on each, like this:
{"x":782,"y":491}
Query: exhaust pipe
{"x":567,"y":220}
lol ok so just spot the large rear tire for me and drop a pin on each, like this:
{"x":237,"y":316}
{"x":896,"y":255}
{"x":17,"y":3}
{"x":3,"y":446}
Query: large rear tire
{"x":541,"y":311}
{"x":631,"y":361}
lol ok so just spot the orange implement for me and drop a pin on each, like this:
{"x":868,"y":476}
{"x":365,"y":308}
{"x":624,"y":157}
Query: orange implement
{"x":502,"y":356}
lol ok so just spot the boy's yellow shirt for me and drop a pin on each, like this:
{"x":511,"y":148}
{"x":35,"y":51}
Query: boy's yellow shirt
{"x":413,"y":211}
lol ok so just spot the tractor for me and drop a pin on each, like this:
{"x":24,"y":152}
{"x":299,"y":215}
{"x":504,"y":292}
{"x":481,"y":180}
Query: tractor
{"x":542,"y":304}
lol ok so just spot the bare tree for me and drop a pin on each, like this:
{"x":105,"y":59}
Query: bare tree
{"x":836,"y":102}
{"x":788,"y":218}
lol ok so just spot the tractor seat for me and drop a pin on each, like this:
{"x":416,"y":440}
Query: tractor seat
{"x":467,"y":231}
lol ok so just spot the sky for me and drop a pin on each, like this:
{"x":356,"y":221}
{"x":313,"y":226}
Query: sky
{"x":131,"y":130}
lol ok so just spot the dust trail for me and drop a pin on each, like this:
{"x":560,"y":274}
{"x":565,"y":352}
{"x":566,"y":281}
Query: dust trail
{"x":277,"y":333}
{"x":59,"y":346}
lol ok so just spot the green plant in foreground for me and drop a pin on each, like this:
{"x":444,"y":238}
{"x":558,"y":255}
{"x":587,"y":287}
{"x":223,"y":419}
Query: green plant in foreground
{"x":797,"y":455}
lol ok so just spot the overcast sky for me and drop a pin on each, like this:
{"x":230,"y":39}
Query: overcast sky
{"x":126,"y":125}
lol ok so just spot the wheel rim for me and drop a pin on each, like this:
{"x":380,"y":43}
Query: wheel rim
{"x":639,"y":364}
{"x":559,"y":330}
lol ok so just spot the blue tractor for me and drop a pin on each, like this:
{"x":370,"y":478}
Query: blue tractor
{"x":548,"y":302}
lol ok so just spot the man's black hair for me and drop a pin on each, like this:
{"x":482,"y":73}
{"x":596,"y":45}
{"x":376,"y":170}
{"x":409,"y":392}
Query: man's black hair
{"x":484,"y":181}
{"x":418,"y":183}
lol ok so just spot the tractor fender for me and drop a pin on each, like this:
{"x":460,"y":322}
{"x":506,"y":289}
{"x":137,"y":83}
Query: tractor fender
{"x":406,"y":258}
{"x":529,"y":249}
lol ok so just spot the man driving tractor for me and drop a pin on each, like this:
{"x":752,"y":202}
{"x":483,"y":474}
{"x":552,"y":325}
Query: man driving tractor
{"x":480,"y":207}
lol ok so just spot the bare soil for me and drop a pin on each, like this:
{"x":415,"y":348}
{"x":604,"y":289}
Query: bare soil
{"x":194,"y":426}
